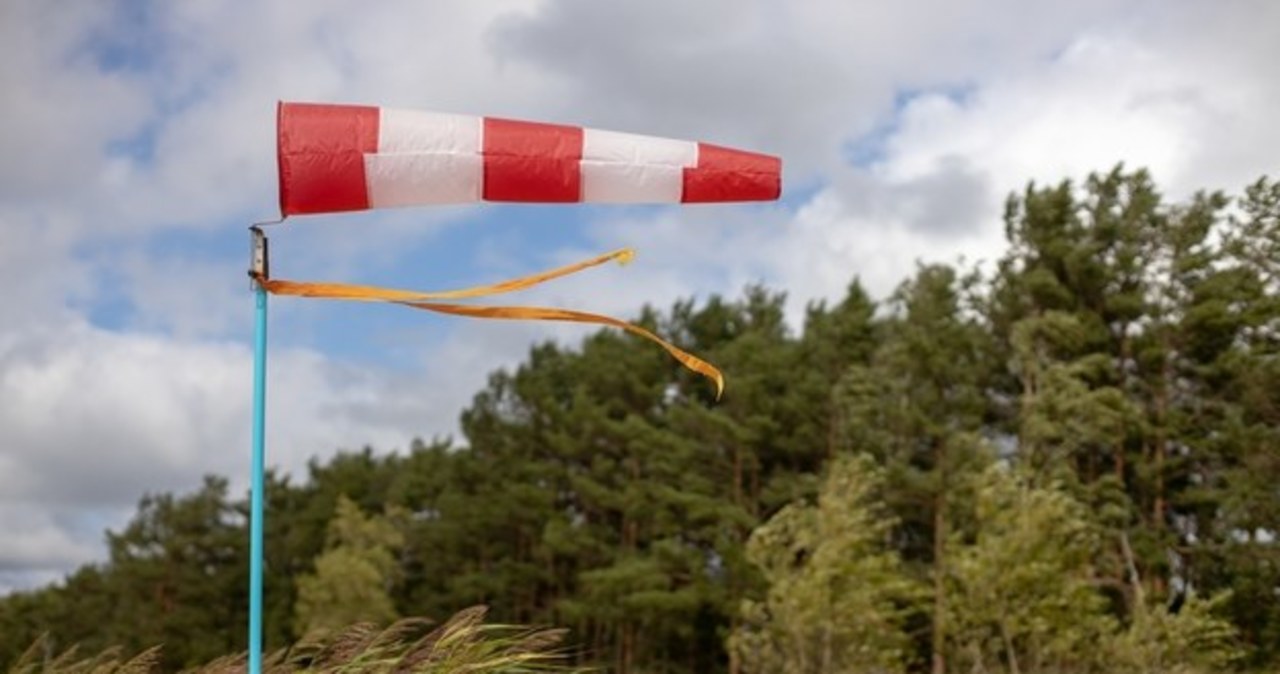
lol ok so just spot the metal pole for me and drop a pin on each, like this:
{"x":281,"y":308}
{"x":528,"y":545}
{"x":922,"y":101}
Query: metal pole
{"x":256,"y":495}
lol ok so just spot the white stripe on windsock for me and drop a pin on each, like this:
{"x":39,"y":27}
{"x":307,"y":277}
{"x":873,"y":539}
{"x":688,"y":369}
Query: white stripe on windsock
{"x":418,"y":131}
{"x":425,"y":158}
{"x":630,"y":168}
{"x":413,"y":179}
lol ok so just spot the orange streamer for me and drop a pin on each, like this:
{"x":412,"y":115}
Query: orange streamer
{"x":419,"y":300}
{"x":359,"y":293}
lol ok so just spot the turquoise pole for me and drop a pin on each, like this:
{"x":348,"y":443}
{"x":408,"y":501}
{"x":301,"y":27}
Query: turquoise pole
{"x":256,"y":497}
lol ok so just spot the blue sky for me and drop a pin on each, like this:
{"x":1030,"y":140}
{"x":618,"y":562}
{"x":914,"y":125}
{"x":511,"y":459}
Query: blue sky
{"x":137,"y":144}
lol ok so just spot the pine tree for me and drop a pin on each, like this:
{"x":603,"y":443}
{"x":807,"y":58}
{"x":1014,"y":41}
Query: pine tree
{"x":1235,"y":483}
{"x":918,"y":407}
{"x":178,"y":576}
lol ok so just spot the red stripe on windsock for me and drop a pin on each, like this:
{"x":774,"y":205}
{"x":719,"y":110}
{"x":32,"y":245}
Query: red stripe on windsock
{"x":725,"y":174}
{"x":528,"y":161}
{"x":320,"y":151}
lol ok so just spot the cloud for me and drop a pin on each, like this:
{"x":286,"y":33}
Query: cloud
{"x":35,"y":538}
{"x":61,"y":108}
{"x":102,"y":417}
{"x":1193,"y":119}
{"x":933,"y":189}
{"x":799,"y":79}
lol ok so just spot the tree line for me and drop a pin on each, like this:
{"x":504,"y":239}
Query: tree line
{"x":1068,"y":462}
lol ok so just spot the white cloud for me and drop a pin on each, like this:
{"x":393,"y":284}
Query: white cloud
{"x":59,"y":108}
{"x":103,"y":416}
{"x":1121,"y":93}
{"x":796,"y":78}
{"x":1144,"y":98}
{"x":99,"y":418}
{"x":35,"y":538}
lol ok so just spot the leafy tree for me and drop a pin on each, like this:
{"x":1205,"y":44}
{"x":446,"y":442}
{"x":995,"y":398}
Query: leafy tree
{"x":838,"y":597}
{"x":1022,"y":590}
{"x":354,"y":576}
{"x":1194,"y":640}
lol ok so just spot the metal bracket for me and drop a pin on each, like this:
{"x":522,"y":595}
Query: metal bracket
{"x":259,"y":260}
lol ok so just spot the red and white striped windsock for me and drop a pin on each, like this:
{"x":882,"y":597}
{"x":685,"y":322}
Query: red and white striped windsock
{"x":349,"y":158}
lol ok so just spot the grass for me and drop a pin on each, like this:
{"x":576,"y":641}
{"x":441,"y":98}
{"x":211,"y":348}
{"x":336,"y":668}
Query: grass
{"x":464,"y":643}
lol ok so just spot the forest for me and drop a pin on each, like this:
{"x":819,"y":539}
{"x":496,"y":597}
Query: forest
{"x":1067,"y":460}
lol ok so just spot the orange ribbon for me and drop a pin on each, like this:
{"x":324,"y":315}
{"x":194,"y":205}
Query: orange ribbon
{"x":424,"y":300}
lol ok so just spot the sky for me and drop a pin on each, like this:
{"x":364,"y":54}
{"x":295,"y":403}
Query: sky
{"x":137,"y":144}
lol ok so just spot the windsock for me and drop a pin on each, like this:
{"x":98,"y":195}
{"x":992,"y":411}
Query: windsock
{"x":336,"y":158}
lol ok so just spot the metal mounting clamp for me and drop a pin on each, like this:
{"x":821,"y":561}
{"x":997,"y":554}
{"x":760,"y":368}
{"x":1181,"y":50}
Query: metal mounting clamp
{"x":259,"y":260}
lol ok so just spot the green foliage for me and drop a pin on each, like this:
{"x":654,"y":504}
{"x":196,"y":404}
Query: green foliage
{"x":354,"y":576}
{"x":1193,"y":641}
{"x":1021,"y":586}
{"x":179,"y":569}
{"x":837,"y":597}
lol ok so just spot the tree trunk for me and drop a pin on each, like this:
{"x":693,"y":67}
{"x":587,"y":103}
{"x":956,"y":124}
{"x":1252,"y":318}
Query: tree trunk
{"x":826,"y":648}
{"x":939,"y":562}
{"x":1125,"y":357}
{"x":626,"y":648}
{"x":1008,"y":646}
{"x":755,"y":486}
{"x":737,"y":475}
{"x":833,"y":426}
{"x":1162,"y":441}
{"x":1161,"y":449}
{"x":735,"y":664}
